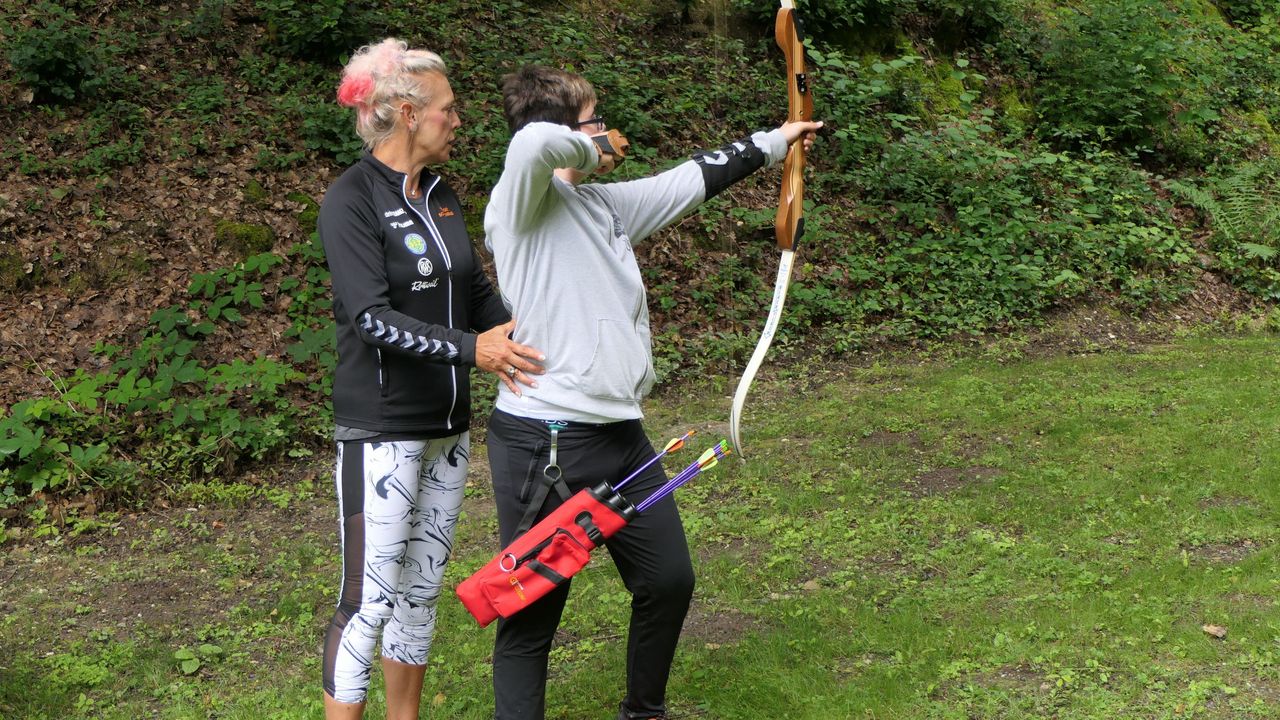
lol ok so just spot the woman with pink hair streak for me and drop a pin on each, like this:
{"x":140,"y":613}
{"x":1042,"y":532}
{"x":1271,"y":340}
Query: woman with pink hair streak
{"x":414,"y":312}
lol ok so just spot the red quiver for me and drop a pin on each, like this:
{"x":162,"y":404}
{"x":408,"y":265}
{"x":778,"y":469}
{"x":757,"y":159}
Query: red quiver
{"x":551,"y":552}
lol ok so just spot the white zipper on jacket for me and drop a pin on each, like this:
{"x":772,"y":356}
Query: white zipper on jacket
{"x":382,"y":389}
{"x":448,"y":266}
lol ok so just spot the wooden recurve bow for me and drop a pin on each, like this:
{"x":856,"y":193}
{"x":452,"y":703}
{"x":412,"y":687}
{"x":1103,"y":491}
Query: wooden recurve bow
{"x":789,"y":224}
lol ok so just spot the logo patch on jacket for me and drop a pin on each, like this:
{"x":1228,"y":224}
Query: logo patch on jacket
{"x":424,"y":266}
{"x":416,"y":243}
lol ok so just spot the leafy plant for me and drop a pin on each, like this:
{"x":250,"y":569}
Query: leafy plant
{"x":329,"y":129}
{"x":1243,"y":208}
{"x":956,"y":21}
{"x":1135,"y":72}
{"x":970,"y":235}
{"x":207,"y":22}
{"x":159,"y":410}
{"x":1244,"y":11}
{"x":55,"y":56}
{"x":317,"y":29}
{"x":190,"y":660}
{"x":202,"y":100}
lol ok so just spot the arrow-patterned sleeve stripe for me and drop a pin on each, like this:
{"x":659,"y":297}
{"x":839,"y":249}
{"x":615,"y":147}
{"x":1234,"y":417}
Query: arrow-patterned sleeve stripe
{"x":406,"y":340}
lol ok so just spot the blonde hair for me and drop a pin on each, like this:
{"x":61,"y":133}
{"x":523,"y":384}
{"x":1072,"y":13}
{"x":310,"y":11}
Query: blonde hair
{"x":377,"y":77}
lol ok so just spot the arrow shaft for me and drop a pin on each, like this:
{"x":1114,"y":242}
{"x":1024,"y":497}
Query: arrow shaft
{"x":671,"y":447}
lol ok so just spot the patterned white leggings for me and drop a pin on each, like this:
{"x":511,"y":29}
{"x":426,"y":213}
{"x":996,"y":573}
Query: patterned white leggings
{"x":398,"y":505}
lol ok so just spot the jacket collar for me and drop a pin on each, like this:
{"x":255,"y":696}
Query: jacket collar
{"x":393,"y":178}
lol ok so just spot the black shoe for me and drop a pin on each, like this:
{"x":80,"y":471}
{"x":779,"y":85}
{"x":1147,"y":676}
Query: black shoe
{"x":624,"y":714}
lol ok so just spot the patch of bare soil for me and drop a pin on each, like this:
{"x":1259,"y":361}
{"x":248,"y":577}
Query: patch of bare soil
{"x":893,"y":564}
{"x":479,"y":525}
{"x":1121,"y":540}
{"x":169,"y":572}
{"x":713,"y":628}
{"x":1225,"y":501}
{"x":1249,"y":601}
{"x":1015,"y":678}
{"x":945,"y":480}
{"x":740,"y":551}
{"x":1223,"y":553}
{"x":1264,"y":689}
{"x":1255,"y":695}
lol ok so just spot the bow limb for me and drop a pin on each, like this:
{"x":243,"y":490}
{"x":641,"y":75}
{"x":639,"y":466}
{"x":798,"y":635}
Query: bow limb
{"x":789,"y":223}
{"x":762,"y":348}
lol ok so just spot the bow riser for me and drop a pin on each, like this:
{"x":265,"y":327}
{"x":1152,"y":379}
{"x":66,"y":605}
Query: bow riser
{"x":789,"y":224}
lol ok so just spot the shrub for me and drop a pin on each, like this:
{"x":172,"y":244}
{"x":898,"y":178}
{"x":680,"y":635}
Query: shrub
{"x":316,"y":30}
{"x":202,"y":99}
{"x":1246,"y":12}
{"x":329,"y":129}
{"x":1134,"y":72}
{"x":968,"y":234}
{"x":1243,"y":208}
{"x":954,"y":22}
{"x":831,"y":17}
{"x":56,"y":57}
{"x":159,"y":410}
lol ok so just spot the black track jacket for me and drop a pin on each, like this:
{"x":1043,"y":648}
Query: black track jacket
{"x":408,"y":292}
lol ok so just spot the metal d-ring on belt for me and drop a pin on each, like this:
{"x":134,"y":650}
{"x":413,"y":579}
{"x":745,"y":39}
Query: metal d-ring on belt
{"x":552,"y":471}
{"x":552,"y":477}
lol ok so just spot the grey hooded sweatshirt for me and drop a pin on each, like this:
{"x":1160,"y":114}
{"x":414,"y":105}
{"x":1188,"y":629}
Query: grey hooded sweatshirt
{"x":567,"y":272}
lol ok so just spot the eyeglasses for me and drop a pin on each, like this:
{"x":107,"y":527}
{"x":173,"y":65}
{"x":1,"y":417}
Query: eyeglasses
{"x":597,"y":120}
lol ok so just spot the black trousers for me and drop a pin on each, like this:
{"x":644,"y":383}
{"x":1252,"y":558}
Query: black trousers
{"x":651,"y":555}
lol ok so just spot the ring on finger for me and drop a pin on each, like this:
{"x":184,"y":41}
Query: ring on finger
{"x":511,"y":370}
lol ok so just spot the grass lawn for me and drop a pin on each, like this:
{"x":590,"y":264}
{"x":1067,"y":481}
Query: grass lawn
{"x":989,"y":536}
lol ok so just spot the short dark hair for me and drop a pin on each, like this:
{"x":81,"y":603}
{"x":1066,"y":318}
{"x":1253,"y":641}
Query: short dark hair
{"x":536,"y":93}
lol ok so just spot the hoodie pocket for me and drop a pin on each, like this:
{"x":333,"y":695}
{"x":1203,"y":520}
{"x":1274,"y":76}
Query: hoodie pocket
{"x":619,"y":368}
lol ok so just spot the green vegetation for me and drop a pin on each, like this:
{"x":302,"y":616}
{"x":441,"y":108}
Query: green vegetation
{"x":991,"y":536}
{"x":244,"y":239}
{"x":1244,"y":207}
{"x":986,"y":163}
{"x":12,"y":275}
{"x":164,"y":411}
{"x":55,"y":57}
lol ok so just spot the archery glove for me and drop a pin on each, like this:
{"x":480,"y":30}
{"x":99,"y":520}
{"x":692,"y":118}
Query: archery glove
{"x":612,"y":146}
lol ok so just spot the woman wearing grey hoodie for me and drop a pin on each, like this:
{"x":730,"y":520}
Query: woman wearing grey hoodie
{"x":563,"y":253}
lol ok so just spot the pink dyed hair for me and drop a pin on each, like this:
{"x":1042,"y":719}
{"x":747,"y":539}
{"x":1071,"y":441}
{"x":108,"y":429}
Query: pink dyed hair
{"x":376,"y":78}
